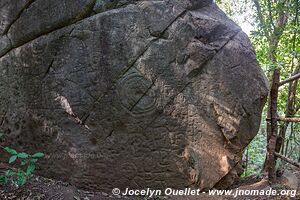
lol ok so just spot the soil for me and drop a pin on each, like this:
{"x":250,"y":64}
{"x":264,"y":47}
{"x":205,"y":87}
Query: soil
{"x":39,"y":188}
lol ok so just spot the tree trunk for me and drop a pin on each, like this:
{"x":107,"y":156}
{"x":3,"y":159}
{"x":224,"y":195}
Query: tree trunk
{"x":272,"y":128}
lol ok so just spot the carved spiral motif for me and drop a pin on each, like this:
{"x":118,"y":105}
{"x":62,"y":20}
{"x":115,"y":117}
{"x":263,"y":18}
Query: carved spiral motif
{"x":136,"y":93}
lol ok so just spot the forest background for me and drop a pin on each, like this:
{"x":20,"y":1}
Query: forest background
{"x":273,"y":28}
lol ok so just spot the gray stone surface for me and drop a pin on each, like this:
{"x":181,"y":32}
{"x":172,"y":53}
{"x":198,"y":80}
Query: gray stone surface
{"x":141,"y":94}
{"x":10,"y":10}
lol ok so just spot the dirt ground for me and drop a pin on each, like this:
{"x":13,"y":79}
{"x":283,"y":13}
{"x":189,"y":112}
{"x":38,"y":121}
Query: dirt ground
{"x":39,"y":188}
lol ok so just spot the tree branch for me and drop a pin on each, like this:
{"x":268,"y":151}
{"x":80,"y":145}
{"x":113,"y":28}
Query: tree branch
{"x":288,"y":160}
{"x":290,"y":119}
{"x":261,"y":19}
{"x":272,"y":26}
{"x":292,"y":78}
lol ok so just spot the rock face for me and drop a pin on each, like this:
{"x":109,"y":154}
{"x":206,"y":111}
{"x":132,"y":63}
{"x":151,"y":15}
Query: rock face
{"x":128,"y":93}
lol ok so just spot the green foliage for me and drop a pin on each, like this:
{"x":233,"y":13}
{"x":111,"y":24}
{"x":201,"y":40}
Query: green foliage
{"x":279,"y":21}
{"x":11,"y":151}
{"x":256,"y":153}
{"x":20,"y":175}
{"x":239,"y":12}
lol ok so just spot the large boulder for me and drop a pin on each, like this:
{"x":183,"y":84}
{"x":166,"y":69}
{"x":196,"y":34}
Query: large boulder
{"x":128,"y":93}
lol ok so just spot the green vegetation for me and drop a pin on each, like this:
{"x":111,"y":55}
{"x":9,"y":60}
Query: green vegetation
{"x":27,"y":163}
{"x":273,"y":28}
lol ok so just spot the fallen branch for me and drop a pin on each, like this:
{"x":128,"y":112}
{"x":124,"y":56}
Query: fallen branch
{"x":292,"y":78}
{"x":288,"y":160}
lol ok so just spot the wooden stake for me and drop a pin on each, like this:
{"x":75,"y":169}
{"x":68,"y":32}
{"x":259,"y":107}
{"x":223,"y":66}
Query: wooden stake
{"x":272,"y":129}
